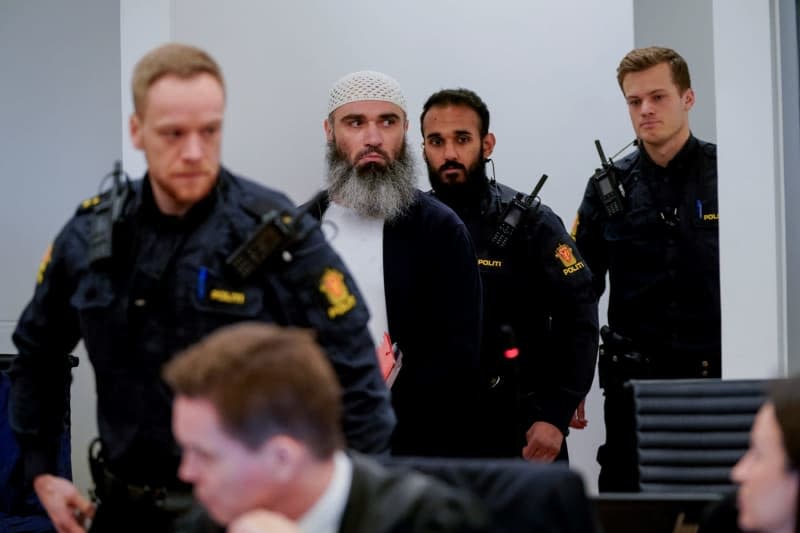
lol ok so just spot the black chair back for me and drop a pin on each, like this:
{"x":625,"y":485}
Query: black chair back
{"x":690,"y":432}
{"x":520,"y":496}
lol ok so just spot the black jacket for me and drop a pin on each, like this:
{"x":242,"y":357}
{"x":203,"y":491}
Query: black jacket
{"x":166,"y":287}
{"x":433,"y":304}
{"x":537,"y":297}
{"x":383,"y":500}
{"x":662,"y":257}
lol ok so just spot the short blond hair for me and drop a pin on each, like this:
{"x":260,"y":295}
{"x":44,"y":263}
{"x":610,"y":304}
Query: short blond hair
{"x":182,"y":60}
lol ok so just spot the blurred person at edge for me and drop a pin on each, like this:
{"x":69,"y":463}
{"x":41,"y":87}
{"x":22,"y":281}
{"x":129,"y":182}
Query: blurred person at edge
{"x":767,"y":475}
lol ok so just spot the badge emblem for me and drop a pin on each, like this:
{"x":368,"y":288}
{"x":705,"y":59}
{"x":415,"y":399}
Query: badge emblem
{"x":565,"y":255}
{"x":332,"y":285}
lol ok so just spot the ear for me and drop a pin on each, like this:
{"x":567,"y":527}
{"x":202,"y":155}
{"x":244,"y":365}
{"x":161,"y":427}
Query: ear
{"x":326,"y":125}
{"x":284,"y":457}
{"x":688,"y":99}
{"x":136,"y":131}
{"x":405,"y":128}
{"x":488,"y":145}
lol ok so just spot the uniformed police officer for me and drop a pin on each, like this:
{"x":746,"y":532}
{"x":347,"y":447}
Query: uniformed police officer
{"x":151,"y":267}
{"x":540,"y":312}
{"x":657,"y":237}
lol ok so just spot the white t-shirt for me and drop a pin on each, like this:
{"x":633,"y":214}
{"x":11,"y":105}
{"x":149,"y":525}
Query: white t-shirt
{"x":359,"y":242}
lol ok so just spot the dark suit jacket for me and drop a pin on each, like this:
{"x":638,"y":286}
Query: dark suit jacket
{"x":389,"y":501}
{"x":385,"y":501}
{"x":433,"y":303}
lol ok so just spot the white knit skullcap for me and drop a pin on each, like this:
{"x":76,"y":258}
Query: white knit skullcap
{"x":365,"y":85}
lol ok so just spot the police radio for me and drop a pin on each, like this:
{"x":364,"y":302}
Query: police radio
{"x":610,"y":191}
{"x":514,"y":212}
{"x":106,"y":216}
{"x":276,"y":232}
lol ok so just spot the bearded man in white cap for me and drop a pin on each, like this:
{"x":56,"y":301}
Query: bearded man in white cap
{"x":414,"y":261}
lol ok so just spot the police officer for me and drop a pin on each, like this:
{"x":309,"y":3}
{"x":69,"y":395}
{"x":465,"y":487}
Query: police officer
{"x":540,"y":313}
{"x":657,"y":237}
{"x":152,"y":266}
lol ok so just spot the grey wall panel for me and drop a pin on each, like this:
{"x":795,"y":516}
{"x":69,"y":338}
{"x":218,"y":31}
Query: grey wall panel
{"x":789,"y":42}
{"x":687,"y":27}
{"x":59,"y":125}
{"x":59,"y":133}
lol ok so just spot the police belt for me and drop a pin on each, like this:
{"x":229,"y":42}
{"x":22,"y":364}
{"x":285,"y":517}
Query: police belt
{"x":111,"y":489}
{"x":618,"y":366}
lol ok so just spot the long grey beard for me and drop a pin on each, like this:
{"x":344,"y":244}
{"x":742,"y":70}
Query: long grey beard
{"x":373,"y":191}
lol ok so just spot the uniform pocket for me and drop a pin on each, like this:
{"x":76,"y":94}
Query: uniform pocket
{"x":94,"y":292}
{"x":706,"y":215}
{"x":100,"y":323}
{"x":215,"y":295}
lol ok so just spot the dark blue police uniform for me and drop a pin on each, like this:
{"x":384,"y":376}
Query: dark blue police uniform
{"x":537,"y":298}
{"x":166,"y":287}
{"x":662,"y":257}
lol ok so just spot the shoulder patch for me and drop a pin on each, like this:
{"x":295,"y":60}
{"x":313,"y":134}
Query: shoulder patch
{"x":43,"y":264}
{"x":333,"y":286}
{"x":568,"y":260}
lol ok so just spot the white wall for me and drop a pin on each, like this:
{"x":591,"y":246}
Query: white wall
{"x":59,"y":124}
{"x":144,"y":24}
{"x":752,"y":228}
{"x":685,"y":26}
{"x":546,"y":70}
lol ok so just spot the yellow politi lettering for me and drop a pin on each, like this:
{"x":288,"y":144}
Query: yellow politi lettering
{"x":574,"y":268}
{"x":711,"y":216}
{"x":496,"y":263}
{"x":227,"y":297}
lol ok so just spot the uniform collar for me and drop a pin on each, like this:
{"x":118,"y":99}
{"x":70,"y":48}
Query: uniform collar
{"x":468,"y":201}
{"x":147,"y":208}
{"x":678,"y":164}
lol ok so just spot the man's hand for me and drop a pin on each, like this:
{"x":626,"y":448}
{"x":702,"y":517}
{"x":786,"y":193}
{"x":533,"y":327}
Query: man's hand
{"x":262,"y":521}
{"x":67,"y":509}
{"x":579,"y":418}
{"x":544,"y":442}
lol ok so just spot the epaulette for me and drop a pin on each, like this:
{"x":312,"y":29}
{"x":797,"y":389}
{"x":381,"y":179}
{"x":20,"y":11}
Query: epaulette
{"x":260,"y":206}
{"x":710,"y":149}
{"x":90,"y":203}
{"x":627,"y":162}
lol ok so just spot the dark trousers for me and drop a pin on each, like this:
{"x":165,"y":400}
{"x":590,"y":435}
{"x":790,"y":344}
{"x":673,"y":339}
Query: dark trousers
{"x":619,"y":470}
{"x":617,"y":457}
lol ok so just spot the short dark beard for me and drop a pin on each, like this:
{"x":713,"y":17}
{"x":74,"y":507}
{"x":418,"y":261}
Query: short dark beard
{"x":374,"y":190}
{"x":464,"y":194}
